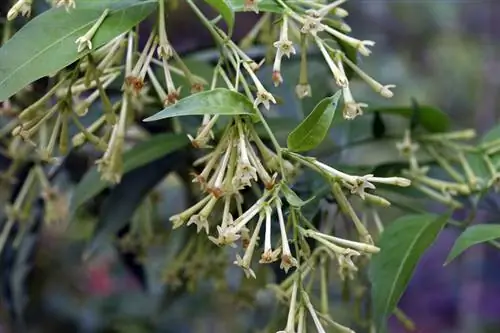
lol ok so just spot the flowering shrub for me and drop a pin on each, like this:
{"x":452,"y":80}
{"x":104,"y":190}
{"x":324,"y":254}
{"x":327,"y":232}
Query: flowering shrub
{"x":80,"y":77}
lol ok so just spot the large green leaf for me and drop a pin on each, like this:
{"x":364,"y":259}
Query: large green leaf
{"x":123,"y":200}
{"x":225,"y":10}
{"x":372,"y":153}
{"x":314,"y":128}
{"x":402,"y":244}
{"x":473,"y":235}
{"x":217,"y":101}
{"x":143,"y":153}
{"x":430,"y":118}
{"x":47,"y":43}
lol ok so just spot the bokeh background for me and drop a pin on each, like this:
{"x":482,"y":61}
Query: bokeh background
{"x":444,"y":53}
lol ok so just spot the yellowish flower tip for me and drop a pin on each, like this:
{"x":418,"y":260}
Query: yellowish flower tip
{"x":22,"y":7}
{"x":251,"y":5}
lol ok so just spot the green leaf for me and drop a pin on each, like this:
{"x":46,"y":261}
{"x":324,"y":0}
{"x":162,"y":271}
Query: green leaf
{"x":292,"y":198}
{"x":492,"y":135}
{"x":225,"y":10}
{"x":473,"y":235}
{"x":262,"y":5}
{"x":143,"y":153}
{"x":121,"y":203}
{"x":47,"y":43}
{"x":217,"y":101}
{"x":402,"y":244}
{"x":314,"y":128}
{"x":372,"y":153}
{"x":430,"y":118}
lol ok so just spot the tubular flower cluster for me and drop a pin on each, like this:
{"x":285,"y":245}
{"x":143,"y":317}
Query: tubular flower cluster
{"x":246,"y":180}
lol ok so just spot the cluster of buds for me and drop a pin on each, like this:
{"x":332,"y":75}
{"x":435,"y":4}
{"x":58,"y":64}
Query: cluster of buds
{"x":44,"y":125}
{"x":457,"y":159}
{"x":240,"y":160}
{"x":311,"y":24}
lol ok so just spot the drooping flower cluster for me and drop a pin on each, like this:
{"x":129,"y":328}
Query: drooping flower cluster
{"x":239,"y":160}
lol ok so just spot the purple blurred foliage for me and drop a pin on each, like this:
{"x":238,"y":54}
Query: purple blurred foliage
{"x":466,"y":292}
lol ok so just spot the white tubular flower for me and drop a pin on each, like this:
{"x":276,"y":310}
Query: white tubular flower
{"x":85,"y":41}
{"x":303,"y":90}
{"x":204,"y":134}
{"x":362,"y":247}
{"x":179,"y":219}
{"x":311,"y":25}
{"x":346,"y":265}
{"x":287,"y":260}
{"x":290,"y":322}
{"x":201,"y":219}
{"x":245,"y":172}
{"x":263,"y":96}
{"x":340,"y":78}
{"x":22,"y":7}
{"x":247,"y":257}
{"x":243,"y":219}
{"x":332,"y":6}
{"x":384,"y":91}
{"x":360,"y":45}
{"x":224,"y":143}
{"x":269,"y":255}
{"x":358,"y":184}
{"x":68,"y":4}
{"x":301,"y":325}
{"x":407,"y":147}
{"x":351,"y":108}
{"x":261,"y":171}
{"x":164,"y":50}
{"x":251,"y":5}
{"x":284,"y":46}
{"x":312,"y":312}
{"x":216,"y":187}
{"x":227,"y":235}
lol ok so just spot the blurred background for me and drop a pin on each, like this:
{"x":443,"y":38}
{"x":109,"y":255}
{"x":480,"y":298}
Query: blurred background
{"x":444,"y":53}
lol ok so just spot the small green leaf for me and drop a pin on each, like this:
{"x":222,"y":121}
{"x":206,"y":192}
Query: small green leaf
{"x":143,"y":153}
{"x":225,"y":10}
{"x":217,"y":101}
{"x":492,"y":135}
{"x":402,"y":244}
{"x":430,"y":118}
{"x":314,"y":128}
{"x":473,"y":235}
{"x":292,"y":198}
{"x":262,"y":5}
{"x":47,"y":43}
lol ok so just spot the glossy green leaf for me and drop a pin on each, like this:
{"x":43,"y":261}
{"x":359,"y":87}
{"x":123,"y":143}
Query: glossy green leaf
{"x":47,"y":43}
{"x":262,"y":5}
{"x":430,"y":118}
{"x":121,"y":203}
{"x":218,"y":101}
{"x":314,"y":128}
{"x":492,"y":135}
{"x":291,"y":197}
{"x":402,"y":244}
{"x":372,"y":153}
{"x":225,"y":10}
{"x":473,"y":235}
{"x":143,"y":153}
